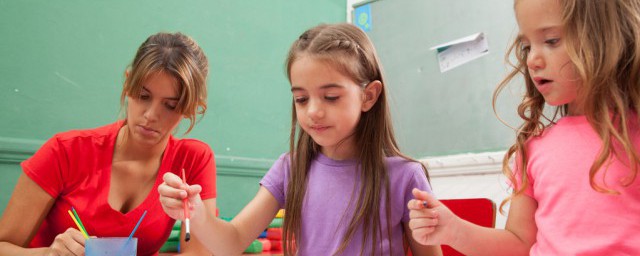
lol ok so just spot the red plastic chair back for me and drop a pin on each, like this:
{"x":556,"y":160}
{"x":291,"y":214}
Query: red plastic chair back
{"x":480,"y":211}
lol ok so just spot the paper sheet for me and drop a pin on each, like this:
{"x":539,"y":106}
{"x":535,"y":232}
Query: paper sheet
{"x":457,"y":52}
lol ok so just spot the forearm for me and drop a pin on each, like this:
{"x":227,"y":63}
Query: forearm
{"x":10,"y":249}
{"x":476,"y":240}
{"x":218,"y":236}
{"x":232,"y":238}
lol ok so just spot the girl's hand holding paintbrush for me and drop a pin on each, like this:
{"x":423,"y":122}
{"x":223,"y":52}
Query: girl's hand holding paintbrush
{"x":172,"y":193}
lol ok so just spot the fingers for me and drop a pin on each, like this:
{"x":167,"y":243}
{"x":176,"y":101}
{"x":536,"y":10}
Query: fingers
{"x":71,"y":242}
{"x":77,"y":236}
{"x":167,"y":191}
{"x":426,"y":199}
{"x":171,"y":198}
{"x":427,"y":224}
{"x":173,"y":192}
{"x":194,"y":190}
{"x":173,"y":180}
{"x":422,"y":213}
{"x":172,"y":187}
{"x":415,"y":204}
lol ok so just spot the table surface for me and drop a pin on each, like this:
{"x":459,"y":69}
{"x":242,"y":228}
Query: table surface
{"x":256,"y":254}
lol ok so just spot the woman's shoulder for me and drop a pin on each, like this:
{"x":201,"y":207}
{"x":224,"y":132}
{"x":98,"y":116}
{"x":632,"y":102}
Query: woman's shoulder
{"x":190,"y":149}
{"x":89,"y":133}
{"x":192,"y":144}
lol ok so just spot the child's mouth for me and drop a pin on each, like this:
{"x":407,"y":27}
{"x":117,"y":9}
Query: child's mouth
{"x":544,"y":81}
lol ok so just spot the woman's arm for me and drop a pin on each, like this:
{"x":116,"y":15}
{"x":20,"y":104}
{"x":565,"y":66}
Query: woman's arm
{"x":27,"y":208}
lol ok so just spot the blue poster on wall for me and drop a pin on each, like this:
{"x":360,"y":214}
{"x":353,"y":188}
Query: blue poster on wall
{"x":362,"y":17}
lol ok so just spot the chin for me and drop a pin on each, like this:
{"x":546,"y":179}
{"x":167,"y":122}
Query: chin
{"x":320,"y":142}
{"x":556,"y":103}
{"x":147,"y":141}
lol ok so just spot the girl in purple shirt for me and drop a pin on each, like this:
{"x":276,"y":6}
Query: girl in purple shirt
{"x":344,"y":184}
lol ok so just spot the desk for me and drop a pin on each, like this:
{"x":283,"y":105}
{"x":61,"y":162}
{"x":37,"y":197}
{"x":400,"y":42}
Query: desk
{"x":255,"y":254}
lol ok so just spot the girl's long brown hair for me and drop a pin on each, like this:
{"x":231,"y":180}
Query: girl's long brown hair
{"x":602,"y":38}
{"x":348,"y":50}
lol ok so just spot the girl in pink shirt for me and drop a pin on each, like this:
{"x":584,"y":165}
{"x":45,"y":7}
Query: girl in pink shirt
{"x":575,"y":185}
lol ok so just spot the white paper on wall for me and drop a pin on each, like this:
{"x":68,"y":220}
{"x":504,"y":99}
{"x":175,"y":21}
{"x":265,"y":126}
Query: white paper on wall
{"x":460,"y":51}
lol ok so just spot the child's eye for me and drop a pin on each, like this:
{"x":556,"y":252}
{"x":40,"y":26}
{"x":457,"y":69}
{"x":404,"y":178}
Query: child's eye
{"x":144,"y":96}
{"x":300,"y":100}
{"x":331,"y":98}
{"x":552,"y":41}
{"x":525,"y":48}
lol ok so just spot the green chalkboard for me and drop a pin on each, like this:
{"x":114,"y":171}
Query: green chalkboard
{"x":438,"y":113}
{"x":63,"y":63}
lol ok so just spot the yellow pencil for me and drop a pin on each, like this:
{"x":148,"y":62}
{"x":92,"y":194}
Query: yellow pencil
{"x":84,"y":232}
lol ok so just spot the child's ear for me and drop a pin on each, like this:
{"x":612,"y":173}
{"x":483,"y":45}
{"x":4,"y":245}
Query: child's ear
{"x":371,"y":93}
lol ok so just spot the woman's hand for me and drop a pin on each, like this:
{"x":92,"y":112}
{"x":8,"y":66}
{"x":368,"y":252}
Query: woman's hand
{"x":172,"y":193}
{"x":71,"y":242}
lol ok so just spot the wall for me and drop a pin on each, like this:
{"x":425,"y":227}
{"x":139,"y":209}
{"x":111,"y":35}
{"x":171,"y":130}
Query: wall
{"x":63,"y":64}
{"x":446,"y":119}
{"x":435,"y":113}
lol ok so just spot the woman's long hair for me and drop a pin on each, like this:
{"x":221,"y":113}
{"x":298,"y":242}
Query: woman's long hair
{"x":179,"y":56}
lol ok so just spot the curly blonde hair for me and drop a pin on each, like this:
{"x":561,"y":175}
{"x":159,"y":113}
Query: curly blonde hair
{"x":602,"y":39}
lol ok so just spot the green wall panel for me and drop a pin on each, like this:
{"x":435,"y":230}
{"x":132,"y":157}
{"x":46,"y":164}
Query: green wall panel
{"x":63,"y":64}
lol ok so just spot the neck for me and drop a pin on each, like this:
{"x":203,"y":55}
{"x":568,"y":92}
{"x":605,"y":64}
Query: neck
{"x":128,"y":149}
{"x":574,"y":109}
{"x":342,"y":151}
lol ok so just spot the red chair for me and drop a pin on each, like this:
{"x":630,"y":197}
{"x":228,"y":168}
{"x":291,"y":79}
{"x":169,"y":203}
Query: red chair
{"x":480,"y":211}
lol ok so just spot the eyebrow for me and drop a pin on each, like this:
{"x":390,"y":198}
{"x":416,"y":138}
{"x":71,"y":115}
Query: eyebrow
{"x":170,"y":98}
{"x":324,"y":87}
{"x":539,"y":30}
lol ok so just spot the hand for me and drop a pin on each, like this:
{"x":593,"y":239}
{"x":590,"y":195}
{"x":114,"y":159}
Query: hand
{"x":433,"y":223}
{"x":172,"y":193}
{"x":71,"y":242}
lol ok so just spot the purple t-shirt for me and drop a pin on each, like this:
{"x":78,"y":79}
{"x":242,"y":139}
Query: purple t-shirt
{"x":328,"y":206}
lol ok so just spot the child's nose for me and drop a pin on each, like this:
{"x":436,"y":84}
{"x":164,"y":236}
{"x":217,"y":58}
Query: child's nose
{"x":535,"y":60}
{"x":315,"y":109}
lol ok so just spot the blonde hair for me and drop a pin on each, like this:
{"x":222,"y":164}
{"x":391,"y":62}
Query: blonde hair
{"x":348,"y":50}
{"x":602,"y":39}
{"x":179,"y":56}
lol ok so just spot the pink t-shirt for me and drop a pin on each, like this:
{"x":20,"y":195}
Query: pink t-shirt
{"x":572,"y":218}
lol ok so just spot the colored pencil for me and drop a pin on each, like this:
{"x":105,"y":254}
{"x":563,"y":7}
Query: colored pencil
{"x":79,"y":220}
{"x":84,"y":232}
